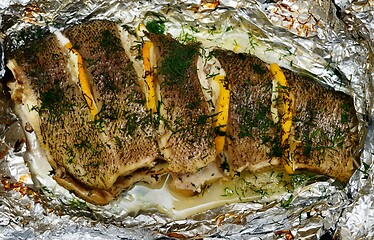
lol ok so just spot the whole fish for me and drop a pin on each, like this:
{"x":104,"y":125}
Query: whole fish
{"x":111,"y":108}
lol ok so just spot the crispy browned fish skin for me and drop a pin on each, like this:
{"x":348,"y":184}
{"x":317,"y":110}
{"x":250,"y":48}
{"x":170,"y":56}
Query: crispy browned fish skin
{"x":325,"y":123}
{"x":186,"y":117}
{"x":253,"y":138}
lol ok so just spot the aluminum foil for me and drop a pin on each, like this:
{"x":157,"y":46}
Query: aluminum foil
{"x":332,"y":41}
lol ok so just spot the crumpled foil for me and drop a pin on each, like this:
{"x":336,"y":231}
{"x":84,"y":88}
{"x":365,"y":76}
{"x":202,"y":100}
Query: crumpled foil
{"x":331,"y":40}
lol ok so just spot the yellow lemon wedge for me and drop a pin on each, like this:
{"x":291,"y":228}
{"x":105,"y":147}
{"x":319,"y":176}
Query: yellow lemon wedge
{"x":85,"y":84}
{"x":222,"y":111}
{"x":149,"y":76}
{"x":286,"y":103}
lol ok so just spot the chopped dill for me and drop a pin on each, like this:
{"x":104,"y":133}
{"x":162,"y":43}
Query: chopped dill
{"x":109,"y":42}
{"x":156,"y":26}
{"x":54,"y":103}
{"x":227,"y":192}
{"x":176,"y":63}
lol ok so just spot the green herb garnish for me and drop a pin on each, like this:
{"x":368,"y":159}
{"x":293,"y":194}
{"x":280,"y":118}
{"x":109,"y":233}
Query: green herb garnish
{"x":227,"y":192}
{"x":176,"y":63}
{"x":156,"y":26}
{"x":109,"y":42}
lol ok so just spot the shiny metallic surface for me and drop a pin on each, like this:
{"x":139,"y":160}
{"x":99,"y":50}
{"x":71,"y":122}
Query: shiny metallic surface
{"x":331,"y":41}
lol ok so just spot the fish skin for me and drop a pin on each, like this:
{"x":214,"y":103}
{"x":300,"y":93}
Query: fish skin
{"x":127,"y":124}
{"x":331,"y":117}
{"x":250,"y":119}
{"x":44,"y":72}
{"x":115,"y":87}
{"x":85,"y":160}
{"x":189,"y":145}
{"x":48,"y":78}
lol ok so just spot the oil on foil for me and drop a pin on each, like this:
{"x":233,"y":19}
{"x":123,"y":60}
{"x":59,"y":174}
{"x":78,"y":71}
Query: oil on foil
{"x":329,"y":39}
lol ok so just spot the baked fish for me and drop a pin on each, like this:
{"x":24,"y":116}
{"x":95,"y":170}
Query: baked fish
{"x":186,"y":136}
{"x":298,"y":123}
{"x":82,"y":99}
{"x":111,"y":108}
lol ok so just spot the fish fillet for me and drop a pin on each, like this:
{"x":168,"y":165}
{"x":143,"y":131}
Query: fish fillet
{"x":253,"y":139}
{"x":323,"y":136}
{"x":186,"y":136}
{"x":89,"y":153}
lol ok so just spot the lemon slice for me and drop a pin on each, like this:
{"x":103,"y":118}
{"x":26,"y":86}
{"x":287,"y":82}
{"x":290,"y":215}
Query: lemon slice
{"x":286,"y":118}
{"x":148,"y":62}
{"x":222,"y":111}
{"x":84,"y":82}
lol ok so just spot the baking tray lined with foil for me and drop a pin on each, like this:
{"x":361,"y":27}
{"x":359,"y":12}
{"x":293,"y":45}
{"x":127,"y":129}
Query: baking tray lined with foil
{"x":318,"y":43}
